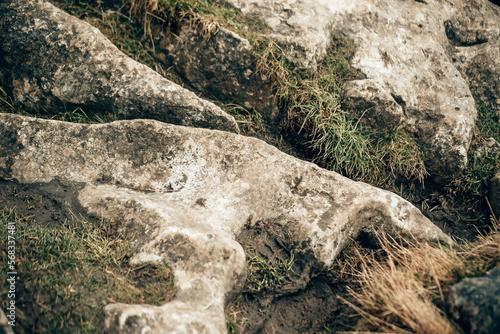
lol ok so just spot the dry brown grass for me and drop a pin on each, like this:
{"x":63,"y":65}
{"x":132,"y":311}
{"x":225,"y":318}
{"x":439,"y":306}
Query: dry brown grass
{"x":401,"y":286}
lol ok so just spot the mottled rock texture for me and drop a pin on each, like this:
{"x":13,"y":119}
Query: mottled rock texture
{"x":373,"y":105}
{"x":475,"y":303}
{"x":183,"y":194}
{"x":221,"y":65}
{"x":53,"y":61}
{"x":404,"y":47}
{"x":474,"y":30}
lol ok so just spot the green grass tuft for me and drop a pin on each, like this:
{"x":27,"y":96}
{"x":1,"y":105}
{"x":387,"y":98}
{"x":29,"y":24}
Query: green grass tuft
{"x":68,"y":272}
{"x":481,"y":166}
{"x":266,"y":274}
{"x":77,"y":115}
{"x":334,"y":137}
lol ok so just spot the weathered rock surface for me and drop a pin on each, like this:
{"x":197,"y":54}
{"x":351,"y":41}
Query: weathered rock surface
{"x":183,"y":194}
{"x":51,"y":60}
{"x":373,"y":105}
{"x":401,"y":45}
{"x":474,"y":29}
{"x":222,"y":65}
{"x":475,"y":303}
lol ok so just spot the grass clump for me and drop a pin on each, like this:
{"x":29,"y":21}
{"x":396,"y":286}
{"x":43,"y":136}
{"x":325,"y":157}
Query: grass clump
{"x":334,"y":138}
{"x":483,"y":163}
{"x":266,"y":274}
{"x":401,"y":288}
{"x":68,"y":271}
{"x":75,"y":116}
{"x":235,"y":323}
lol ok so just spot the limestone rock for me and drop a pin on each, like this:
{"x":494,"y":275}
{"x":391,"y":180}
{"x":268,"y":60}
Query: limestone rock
{"x":183,"y":194}
{"x":222,"y":65}
{"x":475,"y":303}
{"x":400,"y":44}
{"x":53,"y":61}
{"x":474,"y":29}
{"x":374,"y":106}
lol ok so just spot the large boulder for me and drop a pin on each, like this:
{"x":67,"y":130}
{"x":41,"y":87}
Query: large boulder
{"x":182,"y":195}
{"x":53,"y":61}
{"x":403,"y":47}
{"x":221,"y":65}
{"x":474,"y":29}
{"x":475,"y":303}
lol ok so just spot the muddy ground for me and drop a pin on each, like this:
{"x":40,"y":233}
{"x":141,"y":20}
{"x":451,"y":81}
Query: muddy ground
{"x":48,"y":309}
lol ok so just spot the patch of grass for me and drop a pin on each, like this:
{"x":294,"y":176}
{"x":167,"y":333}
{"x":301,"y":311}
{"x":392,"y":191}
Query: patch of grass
{"x":67,"y":272}
{"x":235,"y":323}
{"x":335,"y":138}
{"x":476,"y":175}
{"x":488,"y":121}
{"x":75,"y":116}
{"x":266,"y":274}
{"x":401,"y":287}
{"x":482,"y":165}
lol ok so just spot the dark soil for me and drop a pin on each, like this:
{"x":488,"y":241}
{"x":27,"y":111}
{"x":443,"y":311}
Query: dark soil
{"x":43,"y":203}
{"x":42,"y":308}
{"x":459,"y":214}
{"x":307,"y":299}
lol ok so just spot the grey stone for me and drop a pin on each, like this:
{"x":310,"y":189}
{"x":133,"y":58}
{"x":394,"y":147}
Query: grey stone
{"x":475,"y":303}
{"x":51,"y":60}
{"x":376,"y":109}
{"x":403,"y":46}
{"x":183,"y":194}
{"x":474,"y":29}
{"x":222,"y":65}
